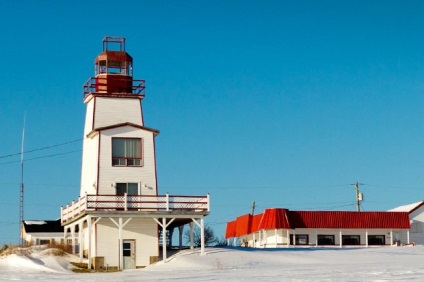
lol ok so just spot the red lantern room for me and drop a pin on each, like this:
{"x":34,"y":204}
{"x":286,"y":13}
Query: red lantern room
{"x":113,"y":72}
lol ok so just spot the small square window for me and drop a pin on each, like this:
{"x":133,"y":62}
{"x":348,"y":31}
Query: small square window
{"x":126,"y":152}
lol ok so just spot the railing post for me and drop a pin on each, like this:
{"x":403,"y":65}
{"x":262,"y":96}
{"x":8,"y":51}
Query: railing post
{"x":72,"y":208}
{"x":209,"y":203}
{"x":167,"y":201}
{"x":125,"y":202}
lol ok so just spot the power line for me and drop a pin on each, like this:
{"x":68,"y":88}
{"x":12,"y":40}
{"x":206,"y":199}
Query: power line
{"x":41,"y":148}
{"x":43,"y":157}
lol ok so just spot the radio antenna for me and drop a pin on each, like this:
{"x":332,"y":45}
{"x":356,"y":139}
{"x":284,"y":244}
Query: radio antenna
{"x":21,"y":197}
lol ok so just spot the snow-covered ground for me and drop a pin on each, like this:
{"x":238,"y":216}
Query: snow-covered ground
{"x":236,"y":264}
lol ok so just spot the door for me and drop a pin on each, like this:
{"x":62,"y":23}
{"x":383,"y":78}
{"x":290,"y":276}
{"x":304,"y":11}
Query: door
{"x":128,"y":253}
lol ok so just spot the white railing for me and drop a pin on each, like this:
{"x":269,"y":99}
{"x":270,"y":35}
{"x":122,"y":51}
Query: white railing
{"x":134,"y":203}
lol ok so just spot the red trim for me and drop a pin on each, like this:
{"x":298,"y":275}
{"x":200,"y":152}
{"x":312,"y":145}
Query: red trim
{"x":417,"y":207}
{"x":94,"y":113}
{"x":98,"y":167}
{"x":141,"y":113}
{"x":154,"y":159}
{"x":154,"y":131}
{"x":141,"y":153}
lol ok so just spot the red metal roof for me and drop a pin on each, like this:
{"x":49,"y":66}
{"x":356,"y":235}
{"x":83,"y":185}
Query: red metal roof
{"x":349,"y":220}
{"x":230,"y":232}
{"x":255,"y":222}
{"x":274,"y":219}
{"x":277,"y":218}
{"x":243,"y":225}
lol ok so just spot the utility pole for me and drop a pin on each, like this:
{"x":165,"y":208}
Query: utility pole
{"x":253,"y":208}
{"x":359,"y":196}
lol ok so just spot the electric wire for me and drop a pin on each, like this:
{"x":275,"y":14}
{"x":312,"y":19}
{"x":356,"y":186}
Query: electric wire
{"x":41,"y":148}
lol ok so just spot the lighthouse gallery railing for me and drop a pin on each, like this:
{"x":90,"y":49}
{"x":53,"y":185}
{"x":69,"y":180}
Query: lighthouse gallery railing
{"x":134,"y":203}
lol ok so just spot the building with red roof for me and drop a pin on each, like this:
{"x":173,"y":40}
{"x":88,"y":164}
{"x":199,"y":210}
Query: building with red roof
{"x":277,"y":227}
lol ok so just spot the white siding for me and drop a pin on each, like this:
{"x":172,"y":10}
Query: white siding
{"x":110,"y":111}
{"x":88,"y":127}
{"x":89,"y":165}
{"x":417,"y":226}
{"x":143,"y":231}
{"x":109,"y":175}
{"x":268,"y":238}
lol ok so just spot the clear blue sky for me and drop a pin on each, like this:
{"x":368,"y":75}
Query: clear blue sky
{"x":283,"y":102}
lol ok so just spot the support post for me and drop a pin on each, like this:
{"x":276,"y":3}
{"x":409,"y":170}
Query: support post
{"x":391,"y":237}
{"x":191,"y":235}
{"x":288,"y":238}
{"x":73,"y":238}
{"x":89,"y":241}
{"x":316,"y":237}
{"x":407,"y":236}
{"x":202,"y":236}
{"x":366,"y":238}
{"x":340,"y":238}
{"x":121,"y":257}
{"x":81,"y":241}
{"x":180,"y":237}
{"x":164,"y":237}
{"x":260,"y":238}
{"x":294,"y":237}
{"x":163,"y":224}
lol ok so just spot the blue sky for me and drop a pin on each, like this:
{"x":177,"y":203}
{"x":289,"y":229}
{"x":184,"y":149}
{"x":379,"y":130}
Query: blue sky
{"x":286,"y":103}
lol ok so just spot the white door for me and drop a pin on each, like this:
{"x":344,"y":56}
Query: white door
{"x":128,"y":254}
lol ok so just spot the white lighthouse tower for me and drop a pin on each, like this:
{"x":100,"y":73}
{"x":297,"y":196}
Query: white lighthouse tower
{"x":119,"y":217}
{"x":118,"y":150}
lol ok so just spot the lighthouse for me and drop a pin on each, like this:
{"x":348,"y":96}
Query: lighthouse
{"x":119,"y":219}
{"x":118,"y":150}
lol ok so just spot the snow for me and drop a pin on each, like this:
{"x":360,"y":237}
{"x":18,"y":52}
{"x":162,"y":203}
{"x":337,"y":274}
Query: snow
{"x":407,"y":208}
{"x":238,"y":264}
{"x":35,"y":222}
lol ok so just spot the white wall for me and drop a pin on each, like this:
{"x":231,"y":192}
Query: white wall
{"x":111,"y":111}
{"x":417,"y":226}
{"x":89,"y":165}
{"x":269,"y":239}
{"x":143,"y":231}
{"x":109,"y":174}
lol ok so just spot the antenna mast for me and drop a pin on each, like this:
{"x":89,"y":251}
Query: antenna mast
{"x":21,"y":197}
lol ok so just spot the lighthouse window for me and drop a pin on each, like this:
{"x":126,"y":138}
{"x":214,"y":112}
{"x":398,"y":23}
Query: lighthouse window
{"x":126,"y":152}
{"x":129,"y":188}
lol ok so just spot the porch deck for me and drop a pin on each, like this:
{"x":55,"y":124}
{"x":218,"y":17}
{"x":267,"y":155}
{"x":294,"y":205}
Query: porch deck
{"x":134,"y":203}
